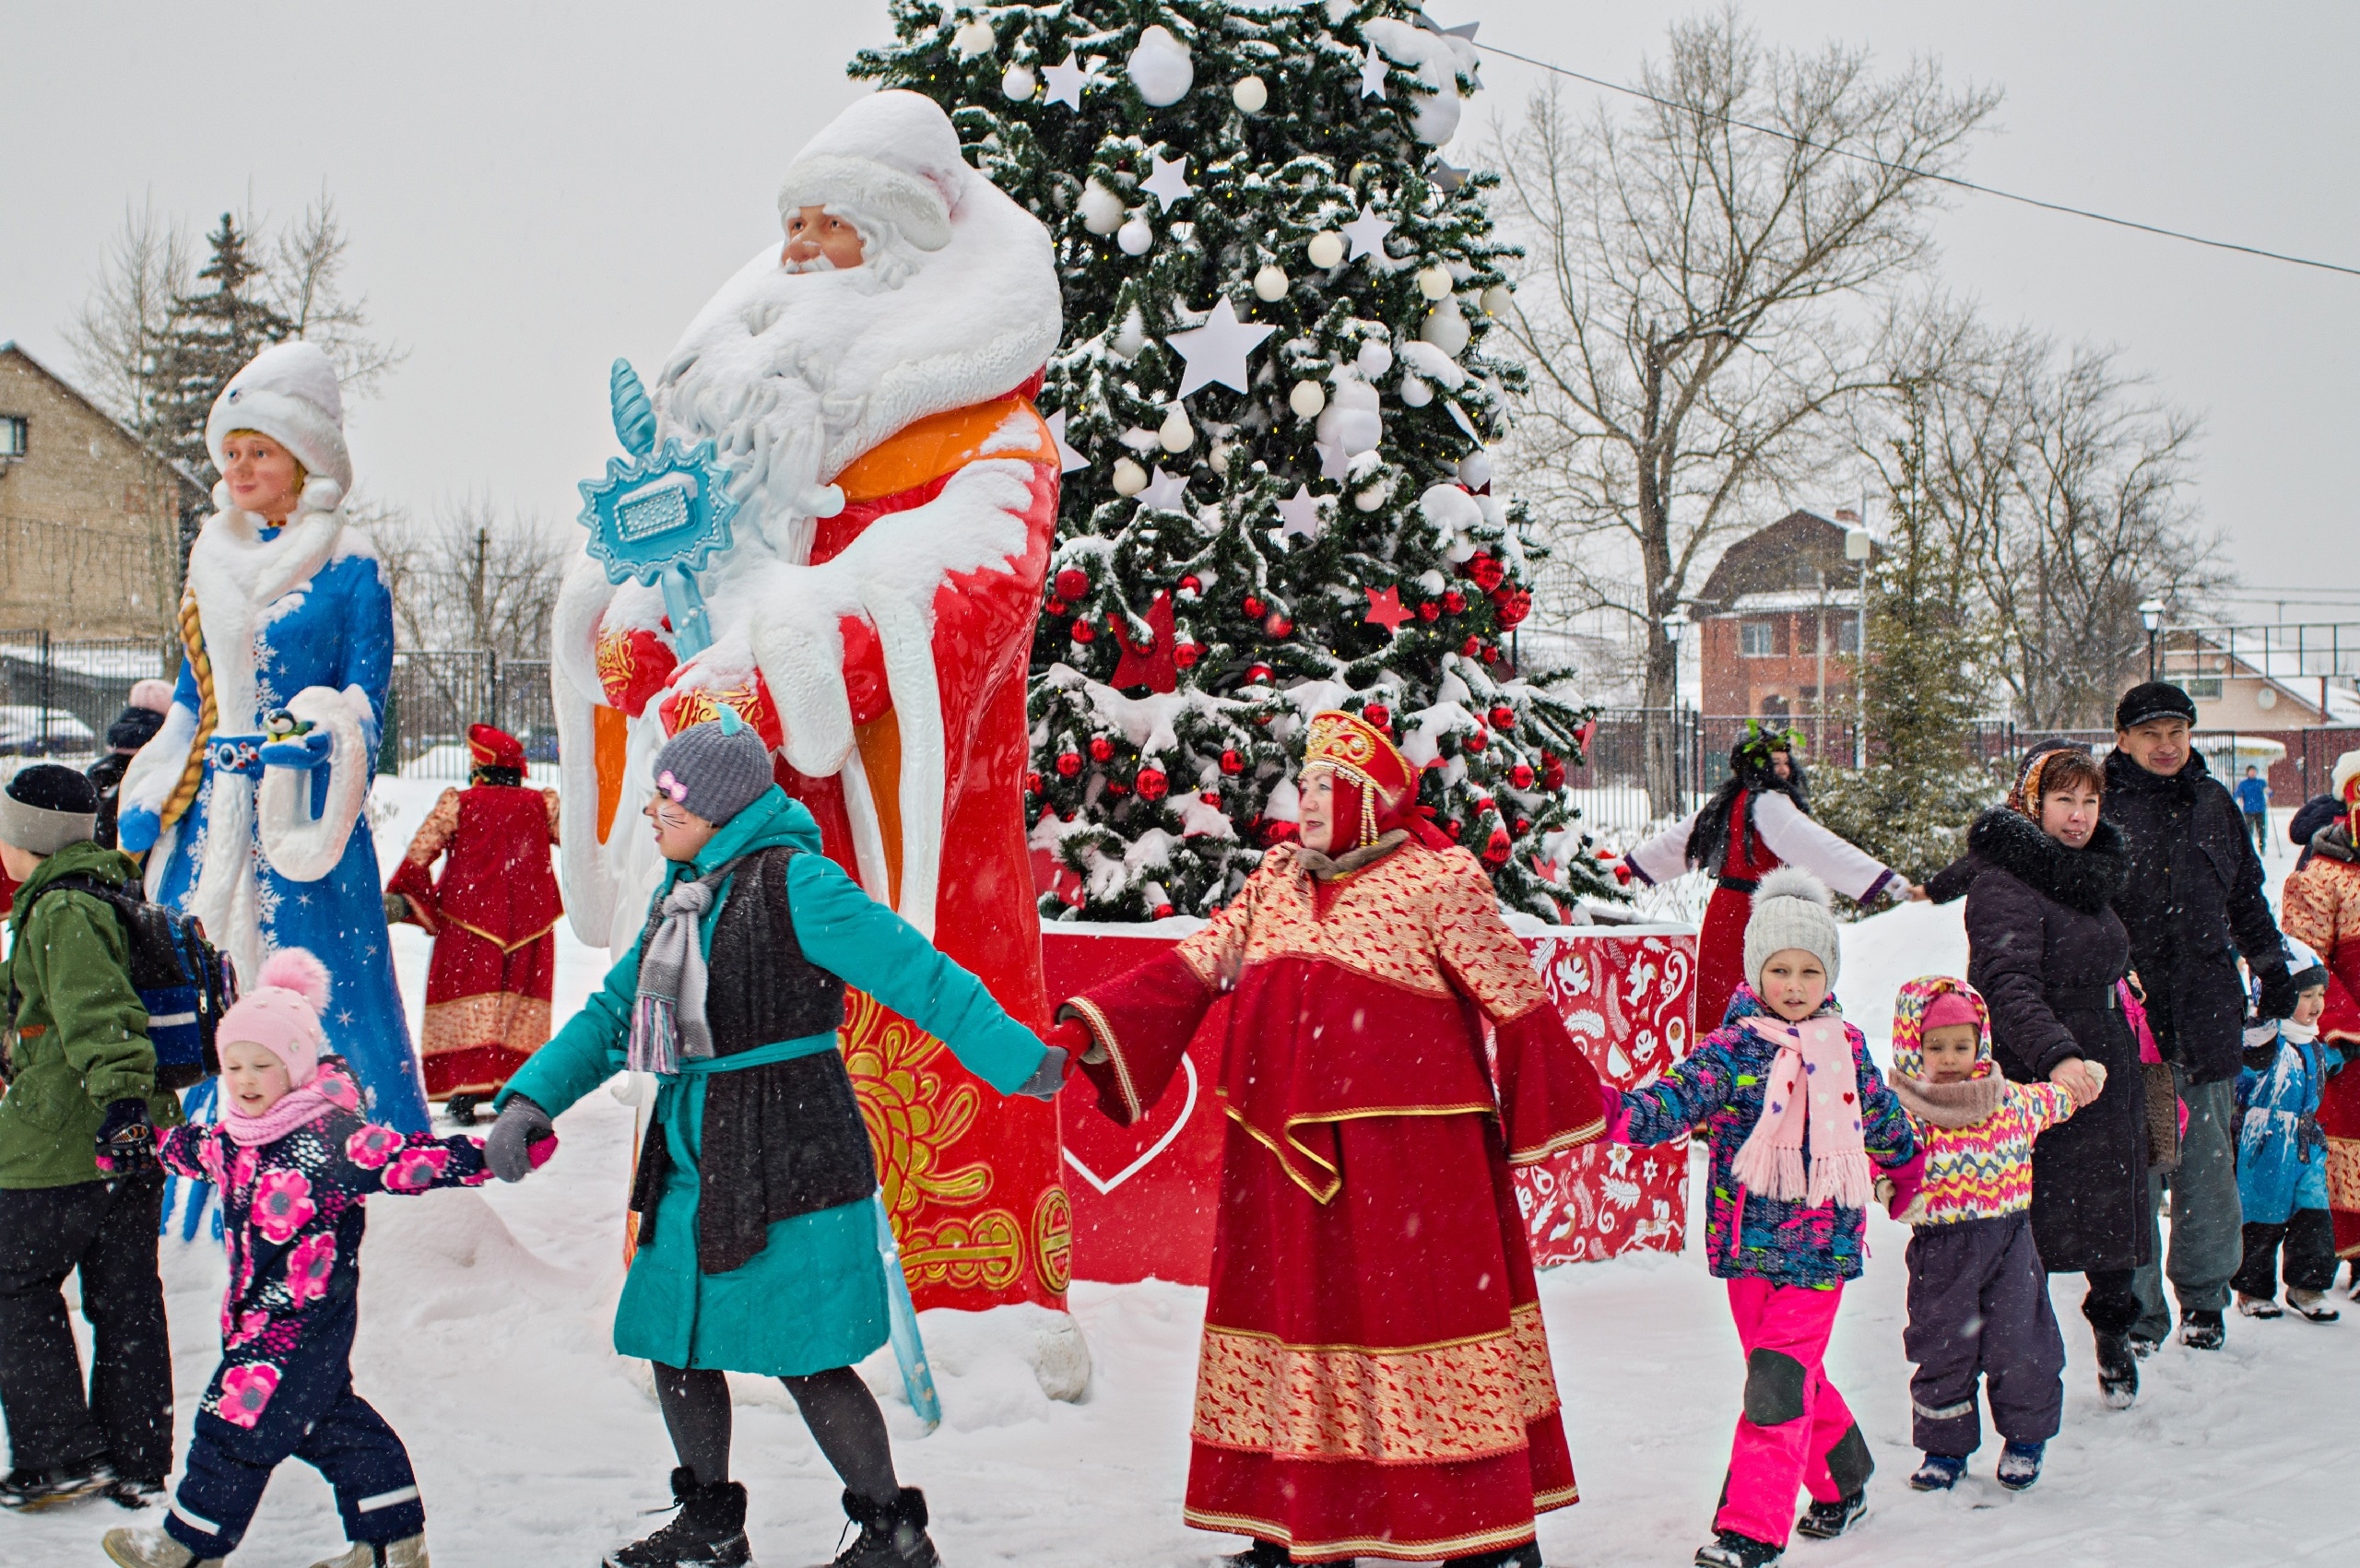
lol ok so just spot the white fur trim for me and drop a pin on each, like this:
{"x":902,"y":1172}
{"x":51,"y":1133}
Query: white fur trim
{"x":149,"y":778}
{"x":867,"y":832}
{"x":301,"y":847}
{"x":863,"y":189}
{"x":288,"y":393}
{"x":2346,"y":767}
{"x":589,"y":892}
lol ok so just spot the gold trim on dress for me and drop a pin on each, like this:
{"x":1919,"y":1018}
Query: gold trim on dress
{"x":1559,"y":1144}
{"x":1102,"y":1029}
{"x":1493,"y":1539}
{"x":1319,"y":1194}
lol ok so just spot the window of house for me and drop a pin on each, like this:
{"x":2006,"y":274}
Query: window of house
{"x":1757,"y":639}
{"x":12,"y":435}
{"x":1847,"y":635}
{"x":2204,"y":687}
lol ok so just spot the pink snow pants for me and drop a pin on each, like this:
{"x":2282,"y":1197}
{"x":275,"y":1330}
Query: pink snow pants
{"x":1797,"y":1433}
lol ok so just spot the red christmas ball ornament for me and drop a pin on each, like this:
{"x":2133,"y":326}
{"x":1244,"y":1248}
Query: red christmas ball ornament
{"x":1522,"y":826}
{"x":1486,"y":571}
{"x":1491,"y":651}
{"x":1512,"y":605}
{"x":1031,"y":783}
{"x":1152,"y":784}
{"x":1495,"y":850}
{"x":1430,"y":611}
{"x":1260,"y":675}
{"x":1552,"y":772}
{"x":1278,"y":625}
{"x":1101,"y":749}
{"x":1209,"y":796}
{"x":1474,"y":741}
{"x":1378,"y":714}
{"x":1231,"y":763}
{"x":1471,"y":647}
{"x":1503,"y":716}
{"x":1083,"y":631}
{"x":1072,"y":583}
{"x":1191,"y":586}
{"x":1521,"y":775}
{"x":1055,"y":607}
{"x":1185,"y":654}
{"x":1069,"y":763}
{"x":1164,"y":912}
{"x":1252,"y":606}
{"x":1116,"y":787}
{"x":1452,"y":829}
{"x":1453,"y":602}
{"x":1484,"y":802}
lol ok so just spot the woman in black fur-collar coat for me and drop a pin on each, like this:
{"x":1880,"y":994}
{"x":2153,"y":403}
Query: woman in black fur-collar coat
{"x":2046,"y":950}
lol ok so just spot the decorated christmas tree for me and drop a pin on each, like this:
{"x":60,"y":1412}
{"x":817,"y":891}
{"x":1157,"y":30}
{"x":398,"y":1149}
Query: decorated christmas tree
{"x":1274,"y":401}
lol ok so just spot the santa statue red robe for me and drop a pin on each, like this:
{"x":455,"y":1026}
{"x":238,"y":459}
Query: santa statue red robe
{"x":873,"y":619}
{"x":1373,"y":1379}
{"x":2321,"y":907}
{"x":494,"y":913}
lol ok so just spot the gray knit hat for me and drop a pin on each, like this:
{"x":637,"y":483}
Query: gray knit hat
{"x":46,"y":806}
{"x":715,"y":769}
{"x":1792,"y":909}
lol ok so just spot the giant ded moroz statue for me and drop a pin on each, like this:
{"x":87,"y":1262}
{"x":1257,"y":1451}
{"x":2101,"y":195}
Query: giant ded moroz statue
{"x":866,"y":388}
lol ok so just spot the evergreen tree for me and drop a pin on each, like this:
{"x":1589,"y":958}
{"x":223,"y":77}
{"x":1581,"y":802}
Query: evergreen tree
{"x":212,"y":333}
{"x":1276,"y":395}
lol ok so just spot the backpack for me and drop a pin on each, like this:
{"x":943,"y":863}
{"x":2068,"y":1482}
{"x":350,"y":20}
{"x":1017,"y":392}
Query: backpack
{"x":183,"y":980}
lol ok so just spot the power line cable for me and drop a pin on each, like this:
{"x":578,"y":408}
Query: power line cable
{"x":1952,"y":180}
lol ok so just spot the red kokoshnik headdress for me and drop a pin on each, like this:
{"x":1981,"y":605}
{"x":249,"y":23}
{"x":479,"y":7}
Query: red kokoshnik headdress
{"x":490,"y":747}
{"x":1377,"y":786}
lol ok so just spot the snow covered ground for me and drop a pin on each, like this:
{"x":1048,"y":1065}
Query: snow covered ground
{"x":484,"y":1340}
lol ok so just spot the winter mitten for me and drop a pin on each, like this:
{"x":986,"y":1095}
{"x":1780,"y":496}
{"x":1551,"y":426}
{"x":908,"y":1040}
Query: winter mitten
{"x":2278,"y":993}
{"x":1618,"y":1115}
{"x":1908,"y":1179}
{"x":2260,"y":1047}
{"x":1049,"y":1077}
{"x":510,"y":1151}
{"x":126,"y":1144}
{"x":137,"y":829}
{"x":304,"y":753}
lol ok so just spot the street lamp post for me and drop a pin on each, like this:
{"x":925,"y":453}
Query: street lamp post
{"x":1675,"y":621}
{"x":1858,"y":545}
{"x":2150,"y":616}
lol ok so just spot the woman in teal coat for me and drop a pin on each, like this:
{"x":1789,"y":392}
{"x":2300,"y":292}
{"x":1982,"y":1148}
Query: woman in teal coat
{"x":758,"y":1248}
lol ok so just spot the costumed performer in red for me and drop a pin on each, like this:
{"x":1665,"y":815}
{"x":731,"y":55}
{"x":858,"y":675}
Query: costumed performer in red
{"x":2321,"y":908}
{"x":1758,"y":820}
{"x":1373,"y":1379}
{"x":493,"y":915}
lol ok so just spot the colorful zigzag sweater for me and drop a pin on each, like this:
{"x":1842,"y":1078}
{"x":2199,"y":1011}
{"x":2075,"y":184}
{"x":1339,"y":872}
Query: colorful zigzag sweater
{"x":1978,"y":1135}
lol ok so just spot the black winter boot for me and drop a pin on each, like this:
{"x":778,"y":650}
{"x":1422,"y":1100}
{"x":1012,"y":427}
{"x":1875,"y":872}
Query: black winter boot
{"x":1261,"y":1554}
{"x":892,"y":1535}
{"x":2118,"y":1371}
{"x":1826,"y":1521}
{"x":2200,"y":1329}
{"x":708,"y":1532}
{"x":1730,"y":1549}
{"x":1524,"y":1556}
{"x":30,"y":1491}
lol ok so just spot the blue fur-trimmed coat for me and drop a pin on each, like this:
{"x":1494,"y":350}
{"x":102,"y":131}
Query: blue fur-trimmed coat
{"x":1719,"y":1088}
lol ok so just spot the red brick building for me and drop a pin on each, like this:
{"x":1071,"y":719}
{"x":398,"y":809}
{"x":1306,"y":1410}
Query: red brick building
{"x":1778,"y":621}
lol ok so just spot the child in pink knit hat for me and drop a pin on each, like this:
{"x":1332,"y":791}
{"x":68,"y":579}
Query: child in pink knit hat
{"x":294,"y":1156}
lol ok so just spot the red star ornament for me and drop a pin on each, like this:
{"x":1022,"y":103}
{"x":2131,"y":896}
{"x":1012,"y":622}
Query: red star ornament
{"x":1386,"y":608}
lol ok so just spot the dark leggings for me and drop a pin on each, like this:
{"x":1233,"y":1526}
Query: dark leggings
{"x":836,"y":1404}
{"x":2111,"y":1306}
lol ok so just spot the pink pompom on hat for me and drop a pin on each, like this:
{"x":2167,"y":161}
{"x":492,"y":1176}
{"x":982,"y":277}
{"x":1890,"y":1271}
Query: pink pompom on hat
{"x":1949,"y":1007}
{"x":281,"y":1014}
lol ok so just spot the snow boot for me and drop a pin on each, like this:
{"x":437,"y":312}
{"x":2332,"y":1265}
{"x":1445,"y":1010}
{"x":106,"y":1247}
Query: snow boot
{"x":30,"y":1492}
{"x":461,"y":1108}
{"x":135,"y":1492}
{"x":1524,"y":1556}
{"x":1826,"y":1521}
{"x":2141,"y":1345}
{"x":892,"y":1535}
{"x":1939,"y":1473}
{"x":2200,"y":1329}
{"x":2118,"y":1371}
{"x":1730,"y":1549}
{"x":1261,"y":1554}
{"x":709,"y":1531}
{"x":2311,"y":1306}
{"x":150,"y":1548}
{"x":407,"y":1552}
{"x":2258,"y":1307}
{"x":2020,"y":1465}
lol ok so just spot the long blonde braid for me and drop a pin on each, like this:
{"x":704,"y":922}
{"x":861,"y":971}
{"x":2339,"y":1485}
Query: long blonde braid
{"x":208,"y":713}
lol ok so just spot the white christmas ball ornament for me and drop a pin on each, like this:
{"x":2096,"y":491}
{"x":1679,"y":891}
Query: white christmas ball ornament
{"x":1177,"y":433}
{"x":1446,"y":328}
{"x":1496,"y":299}
{"x":1129,"y":477}
{"x":1370,"y":499}
{"x":1415,"y":393}
{"x":1373,"y":359}
{"x":1326,"y":249}
{"x":975,"y":38}
{"x":1269,"y":283}
{"x":1251,"y":94}
{"x":1433,"y":282}
{"x":1102,"y":209}
{"x":1017,"y":84}
{"x":1135,"y":237}
{"x":1307,"y":398}
{"x":1220,"y":455}
{"x":1475,"y":469}
{"x":1160,"y":68}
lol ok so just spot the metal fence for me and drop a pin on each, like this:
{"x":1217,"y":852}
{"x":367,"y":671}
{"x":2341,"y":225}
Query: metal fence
{"x":57,"y":695}
{"x":435,"y":696}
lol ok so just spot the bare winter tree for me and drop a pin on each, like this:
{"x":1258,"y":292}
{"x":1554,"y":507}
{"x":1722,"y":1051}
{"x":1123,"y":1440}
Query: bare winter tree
{"x":476,"y":578}
{"x":305,"y":279}
{"x":1692,"y":311}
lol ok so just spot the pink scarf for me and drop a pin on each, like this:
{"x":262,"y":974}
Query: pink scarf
{"x":328,"y":1091}
{"x":1813,"y":1063}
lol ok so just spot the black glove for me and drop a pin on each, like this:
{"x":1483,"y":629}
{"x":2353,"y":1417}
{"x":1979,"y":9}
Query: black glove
{"x":126,"y":1143}
{"x":2278,"y":993}
{"x":508,"y":1150}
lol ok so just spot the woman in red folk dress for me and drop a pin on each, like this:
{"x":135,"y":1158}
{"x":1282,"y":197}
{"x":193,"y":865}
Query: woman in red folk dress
{"x":1754,"y":823}
{"x":492,"y":915}
{"x":1374,"y":1379}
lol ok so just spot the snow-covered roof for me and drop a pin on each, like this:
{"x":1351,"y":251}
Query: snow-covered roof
{"x":1793,"y":599}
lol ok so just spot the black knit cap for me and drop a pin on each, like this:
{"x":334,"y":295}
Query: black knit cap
{"x":2153,"y":700}
{"x":46,"y":787}
{"x":46,"y":807}
{"x":132,"y":728}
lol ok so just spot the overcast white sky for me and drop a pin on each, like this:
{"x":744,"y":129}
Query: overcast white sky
{"x":534,"y":188}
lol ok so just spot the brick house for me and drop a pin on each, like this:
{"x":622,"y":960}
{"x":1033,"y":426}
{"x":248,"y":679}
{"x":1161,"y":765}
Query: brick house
{"x":89,"y":518}
{"x":1778,"y":621}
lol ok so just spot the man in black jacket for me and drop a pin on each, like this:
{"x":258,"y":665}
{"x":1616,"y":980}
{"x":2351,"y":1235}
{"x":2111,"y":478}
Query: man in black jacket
{"x":2193,"y":903}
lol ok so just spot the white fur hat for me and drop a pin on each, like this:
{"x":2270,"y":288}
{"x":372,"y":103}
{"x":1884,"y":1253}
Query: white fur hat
{"x":1792,"y":909}
{"x":892,"y":155}
{"x":288,"y":393}
{"x":2347,"y":767}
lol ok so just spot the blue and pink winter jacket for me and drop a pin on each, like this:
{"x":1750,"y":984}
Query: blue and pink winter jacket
{"x":291,"y":1222}
{"x":1718,"y":1087}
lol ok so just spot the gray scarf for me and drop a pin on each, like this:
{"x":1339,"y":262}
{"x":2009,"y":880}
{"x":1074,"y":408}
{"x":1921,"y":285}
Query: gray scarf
{"x":668,"y":1019}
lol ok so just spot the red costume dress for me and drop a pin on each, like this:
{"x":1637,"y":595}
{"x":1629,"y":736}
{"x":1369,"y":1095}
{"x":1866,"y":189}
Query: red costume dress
{"x":1374,"y":1379}
{"x":2321,"y":907}
{"x":493,"y":915}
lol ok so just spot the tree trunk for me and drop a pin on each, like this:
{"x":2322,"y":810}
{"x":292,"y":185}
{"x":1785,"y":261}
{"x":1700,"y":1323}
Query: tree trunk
{"x":1661,"y":735}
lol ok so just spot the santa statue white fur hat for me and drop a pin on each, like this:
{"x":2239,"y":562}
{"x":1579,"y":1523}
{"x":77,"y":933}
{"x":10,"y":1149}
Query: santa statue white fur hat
{"x":891,"y":156}
{"x":288,"y":393}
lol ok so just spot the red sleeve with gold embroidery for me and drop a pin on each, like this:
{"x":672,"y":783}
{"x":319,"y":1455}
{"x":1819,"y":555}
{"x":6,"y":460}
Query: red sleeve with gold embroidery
{"x":1549,"y":1093}
{"x":414,"y":878}
{"x":1145,"y":1020}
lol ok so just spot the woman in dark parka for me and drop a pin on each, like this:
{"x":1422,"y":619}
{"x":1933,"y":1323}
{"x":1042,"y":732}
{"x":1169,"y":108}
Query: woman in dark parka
{"x":2046,"y":950}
